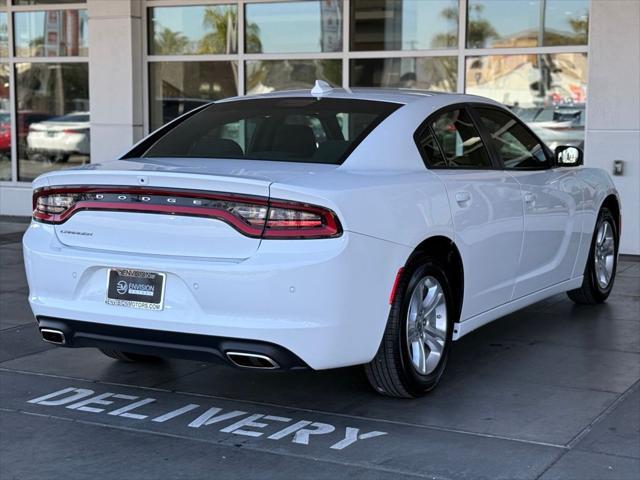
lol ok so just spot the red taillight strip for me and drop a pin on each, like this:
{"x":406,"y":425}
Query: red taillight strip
{"x":229,"y":197}
{"x":215,"y":213}
{"x":277,"y":229}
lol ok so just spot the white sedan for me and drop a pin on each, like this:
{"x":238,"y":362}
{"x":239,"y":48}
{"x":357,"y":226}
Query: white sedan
{"x":60,"y":137}
{"x":318,"y":230}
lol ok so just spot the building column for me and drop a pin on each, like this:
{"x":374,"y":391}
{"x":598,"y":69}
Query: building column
{"x":115,"y":76}
{"x":613,"y":105}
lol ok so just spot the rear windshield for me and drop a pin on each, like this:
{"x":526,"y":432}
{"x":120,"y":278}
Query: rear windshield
{"x":310,"y":130}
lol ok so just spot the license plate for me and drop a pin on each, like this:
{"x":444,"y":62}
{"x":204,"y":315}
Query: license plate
{"x":135,"y":289}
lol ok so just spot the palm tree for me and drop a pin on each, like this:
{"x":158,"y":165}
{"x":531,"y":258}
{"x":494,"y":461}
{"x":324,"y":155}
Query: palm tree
{"x":167,"y":42}
{"x":479,"y":29}
{"x":223,"y":37}
{"x":450,"y":38}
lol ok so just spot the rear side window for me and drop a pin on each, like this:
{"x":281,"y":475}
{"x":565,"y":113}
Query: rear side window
{"x":430,"y":150}
{"x":459,"y":141}
{"x":519,"y":149}
{"x":280,"y":129}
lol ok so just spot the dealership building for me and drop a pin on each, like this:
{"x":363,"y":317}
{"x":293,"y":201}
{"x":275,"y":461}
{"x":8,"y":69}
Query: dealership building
{"x":82,"y":80}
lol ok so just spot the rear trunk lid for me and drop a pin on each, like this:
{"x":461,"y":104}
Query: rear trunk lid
{"x":182,"y":182}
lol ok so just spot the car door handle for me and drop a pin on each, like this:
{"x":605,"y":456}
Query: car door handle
{"x":529,"y":198}
{"x":463,"y":198}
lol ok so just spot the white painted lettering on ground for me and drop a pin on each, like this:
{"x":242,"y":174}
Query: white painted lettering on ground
{"x":236,"y":422}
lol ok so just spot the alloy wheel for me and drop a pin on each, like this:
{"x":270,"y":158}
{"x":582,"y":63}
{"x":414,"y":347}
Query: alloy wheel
{"x":604,"y":254}
{"x":427,"y":325}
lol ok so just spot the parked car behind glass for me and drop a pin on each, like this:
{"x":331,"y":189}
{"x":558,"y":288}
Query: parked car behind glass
{"x":58,"y":138}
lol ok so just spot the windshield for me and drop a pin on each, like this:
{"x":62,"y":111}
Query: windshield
{"x":280,"y":129}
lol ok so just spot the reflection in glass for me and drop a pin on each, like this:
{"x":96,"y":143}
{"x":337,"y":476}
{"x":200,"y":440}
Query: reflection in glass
{"x":45,"y":2}
{"x":5,"y":124}
{"x":308,"y":26}
{"x":4,"y":35}
{"x":549,"y":91}
{"x":526,"y":23}
{"x":566,"y":22}
{"x":265,"y":76}
{"x":52,"y":33}
{"x":53,"y":116}
{"x":177,"y":87}
{"x":403,"y":24}
{"x":193,"y":30}
{"x":429,"y":73}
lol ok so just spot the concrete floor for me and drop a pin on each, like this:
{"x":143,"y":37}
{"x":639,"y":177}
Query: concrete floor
{"x":550,"y":392}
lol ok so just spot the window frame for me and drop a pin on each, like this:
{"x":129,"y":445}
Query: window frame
{"x":494,"y":149}
{"x":12,"y":59}
{"x":426,"y":125}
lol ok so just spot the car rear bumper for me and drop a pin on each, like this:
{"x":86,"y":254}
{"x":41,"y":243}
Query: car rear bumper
{"x":325,"y":301}
{"x":165,"y":344}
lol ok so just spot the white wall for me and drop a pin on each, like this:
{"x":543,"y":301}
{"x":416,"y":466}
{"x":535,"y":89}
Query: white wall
{"x":613,"y":108}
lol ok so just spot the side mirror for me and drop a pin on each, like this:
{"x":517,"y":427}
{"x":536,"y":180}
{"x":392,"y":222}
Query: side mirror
{"x":567,"y":156}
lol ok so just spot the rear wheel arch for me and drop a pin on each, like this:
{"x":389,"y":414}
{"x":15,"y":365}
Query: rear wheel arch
{"x":444,"y":249}
{"x":611,"y":202}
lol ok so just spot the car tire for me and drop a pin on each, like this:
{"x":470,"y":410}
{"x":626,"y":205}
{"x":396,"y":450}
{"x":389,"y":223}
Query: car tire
{"x":600,"y":271}
{"x":129,"y":357}
{"x":397,"y":370}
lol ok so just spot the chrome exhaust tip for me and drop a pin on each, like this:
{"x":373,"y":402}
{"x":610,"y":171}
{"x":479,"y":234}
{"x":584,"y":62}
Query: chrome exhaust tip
{"x":52,"y":336}
{"x":252,"y":360}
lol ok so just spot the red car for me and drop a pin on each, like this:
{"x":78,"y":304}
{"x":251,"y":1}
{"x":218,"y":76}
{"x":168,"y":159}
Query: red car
{"x":25,"y":119}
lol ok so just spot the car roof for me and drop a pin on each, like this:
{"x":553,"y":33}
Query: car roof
{"x":392,"y":95}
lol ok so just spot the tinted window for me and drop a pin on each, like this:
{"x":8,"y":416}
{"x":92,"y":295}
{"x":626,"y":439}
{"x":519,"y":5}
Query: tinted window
{"x":459,"y":140}
{"x":517,"y":147}
{"x":280,"y":129}
{"x":429,"y":148}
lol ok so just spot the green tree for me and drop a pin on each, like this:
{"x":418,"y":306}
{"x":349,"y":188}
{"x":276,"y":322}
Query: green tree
{"x":167,"y":42}
{"x":222,"y":38}
{"x":479,"y":30}
{"x":450,"y":38}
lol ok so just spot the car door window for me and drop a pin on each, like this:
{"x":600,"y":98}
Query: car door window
{"x":518,"y":148}
{"x":429,"y":149}
{"x":459,"y":141}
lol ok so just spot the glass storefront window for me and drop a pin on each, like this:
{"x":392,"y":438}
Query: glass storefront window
{"x":265,"y":76}
{"x":177,"y":87}
{"x":527,"y":23}
{"x":52,"y":103}
{"x":404,"y":24}
{"x":45,"y":2}
{"x":294,"y":27}
{"x":424,"y":73}
{"x":5,"y":124}
{"x":548,"y":91}
{"x":193,"y":30}
{"x":51,"y":33}
{"x":566,"y":22}
{"x":4,"y":35}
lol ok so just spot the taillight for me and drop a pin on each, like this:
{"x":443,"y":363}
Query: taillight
{"x":51,"y":208}
{"x":252,"y":216}
{"x":298,"y":220}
